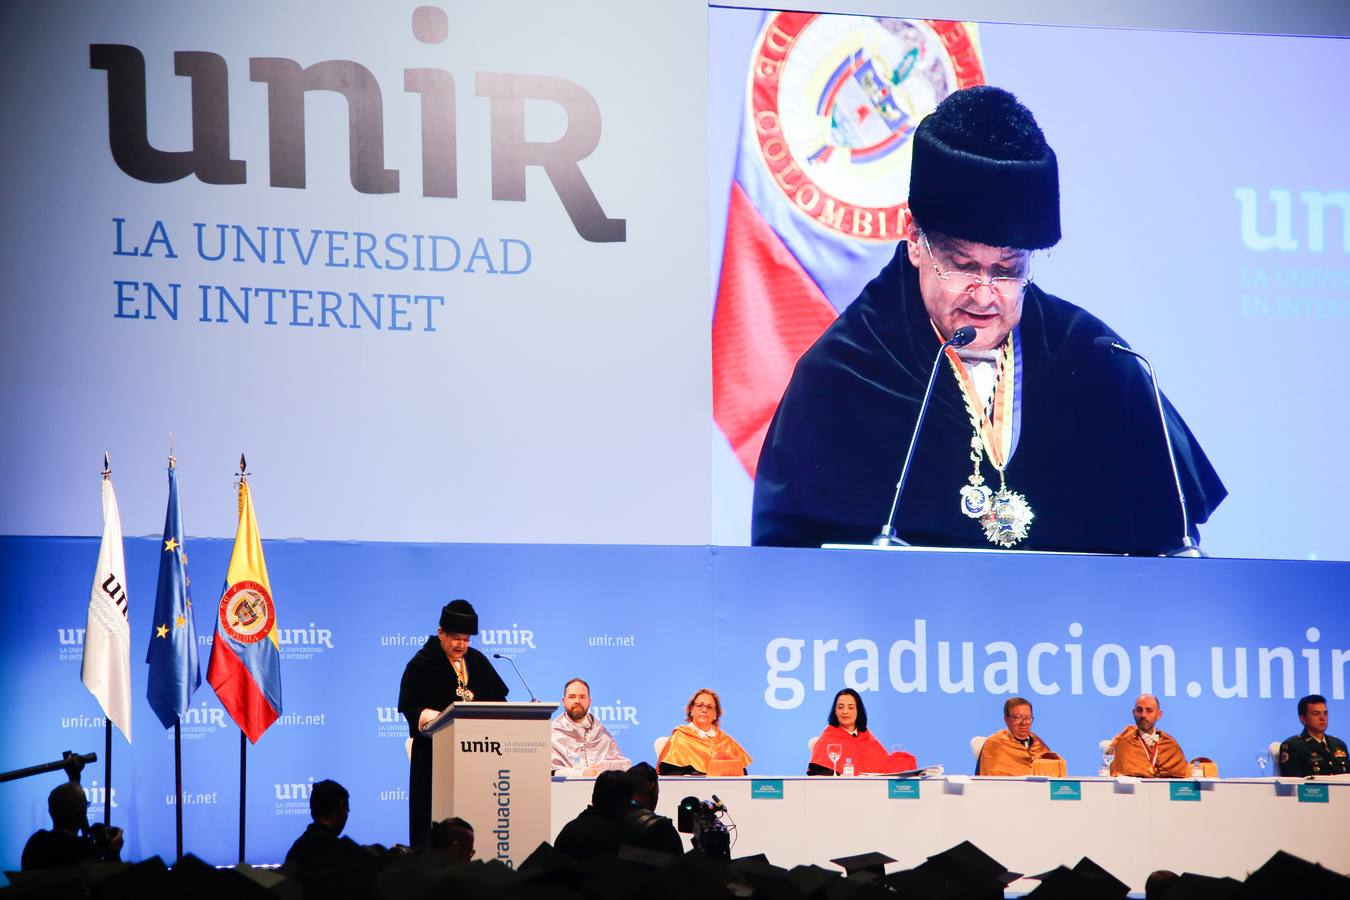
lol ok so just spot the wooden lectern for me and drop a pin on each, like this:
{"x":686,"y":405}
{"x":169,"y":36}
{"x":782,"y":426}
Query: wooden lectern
{"x":490,"y":765}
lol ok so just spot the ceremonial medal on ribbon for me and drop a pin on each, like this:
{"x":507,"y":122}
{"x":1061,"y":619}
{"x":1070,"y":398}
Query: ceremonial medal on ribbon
{"x":462,"y":676}
{"x":1005,"y":515}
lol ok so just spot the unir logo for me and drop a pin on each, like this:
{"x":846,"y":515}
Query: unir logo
{"x":288,"y":83}
{"x":617,"y":716}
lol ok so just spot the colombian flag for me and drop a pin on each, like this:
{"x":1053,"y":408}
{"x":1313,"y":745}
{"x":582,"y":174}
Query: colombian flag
{"x":245,"y":667}
{"x":819,"y":197}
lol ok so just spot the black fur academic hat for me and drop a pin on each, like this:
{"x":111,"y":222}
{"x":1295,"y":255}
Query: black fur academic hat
{"x":458,"y":617}
{"x":982,"y":171}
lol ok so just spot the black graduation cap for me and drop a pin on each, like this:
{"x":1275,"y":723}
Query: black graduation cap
{"x":873,"y":862}
{"x":414,"y":875}
{"x":965,"y":857}
{"x":928,"y":886}
{"x":694,"y":875}
{"x":652,"y":859}
{"x":767,"y":879}
{"x":617,"y":875}
{"x":1095,"y":872}
{"x":1286,"y":874}
{"x":858,"y":886}
{"x":46,"y":884}
{"x":770,"y":882}
{"x":1188,"y":886}
{"x":810,"y":879}
{"x":549,"y":864}
{"x":1063,"y":883}
{"x":117,"y":880}
{"x":1086,"y":880}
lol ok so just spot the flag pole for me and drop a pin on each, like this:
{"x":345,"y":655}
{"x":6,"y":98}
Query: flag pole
{"x":177,"y":744}
{"x":107,"y":720}
{"x":243,"y":779}
{"x":178,"y":786}
{"x":243,"y":742}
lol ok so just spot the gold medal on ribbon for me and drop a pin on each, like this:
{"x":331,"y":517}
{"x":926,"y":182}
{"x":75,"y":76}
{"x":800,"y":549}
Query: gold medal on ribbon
{"x":462,"y":676}
{"x":1006,"y":515}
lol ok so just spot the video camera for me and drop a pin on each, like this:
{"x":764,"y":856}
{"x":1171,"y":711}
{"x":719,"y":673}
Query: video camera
{"x":702,"y":819}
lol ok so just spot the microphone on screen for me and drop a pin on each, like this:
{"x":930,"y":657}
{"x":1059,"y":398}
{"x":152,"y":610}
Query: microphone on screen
{"x":887,"y":538}
{"x":1188,"y":547}
{"x":533,"y":698}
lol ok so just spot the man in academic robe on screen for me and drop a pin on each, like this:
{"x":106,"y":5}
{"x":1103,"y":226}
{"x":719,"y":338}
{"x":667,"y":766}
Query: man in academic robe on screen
{"x":446,"y":670}
{"x":1037,"y":437}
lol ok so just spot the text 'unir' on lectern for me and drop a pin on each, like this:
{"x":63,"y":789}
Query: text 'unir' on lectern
{"x":490,"y":767}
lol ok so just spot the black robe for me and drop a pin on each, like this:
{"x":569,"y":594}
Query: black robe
{"x":429,"y":682}
{"x":1091,"y":459}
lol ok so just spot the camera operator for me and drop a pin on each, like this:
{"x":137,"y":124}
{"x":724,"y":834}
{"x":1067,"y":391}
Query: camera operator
{"x":71,"y":838}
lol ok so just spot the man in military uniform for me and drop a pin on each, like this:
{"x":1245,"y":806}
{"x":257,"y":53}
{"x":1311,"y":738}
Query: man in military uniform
{"x":1313,"y":751}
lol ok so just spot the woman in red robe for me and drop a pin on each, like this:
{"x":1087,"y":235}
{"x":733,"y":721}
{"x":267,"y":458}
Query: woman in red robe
{"x":848,"y":729}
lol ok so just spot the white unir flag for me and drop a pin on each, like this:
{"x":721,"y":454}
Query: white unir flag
{"x":106,"y":669}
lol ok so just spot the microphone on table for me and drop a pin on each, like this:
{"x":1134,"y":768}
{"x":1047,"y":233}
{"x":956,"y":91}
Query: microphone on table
{"x":887,"y":538}
{"x":533,"y":698}
{"x":1189,"y":548}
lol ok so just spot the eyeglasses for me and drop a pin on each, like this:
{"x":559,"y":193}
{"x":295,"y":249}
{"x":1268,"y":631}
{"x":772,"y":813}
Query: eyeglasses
{"x":955,"y":281}
{"x":1020,"y":720}
{"x":704,"y":706}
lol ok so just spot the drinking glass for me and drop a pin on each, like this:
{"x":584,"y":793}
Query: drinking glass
{"x":834,"y":751}
{"x":1263,"y":760}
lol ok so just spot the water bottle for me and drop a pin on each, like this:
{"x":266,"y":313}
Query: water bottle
{"x":848,"y":765}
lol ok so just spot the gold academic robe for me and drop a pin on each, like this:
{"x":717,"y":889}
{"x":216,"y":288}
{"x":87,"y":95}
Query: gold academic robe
{"x":1003,"y":754}
{"x":1133,"y":758}
{"x":687,"y":748}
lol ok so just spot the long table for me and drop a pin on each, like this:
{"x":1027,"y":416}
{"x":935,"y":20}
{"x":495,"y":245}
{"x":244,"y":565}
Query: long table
{"x":1129,"y":826}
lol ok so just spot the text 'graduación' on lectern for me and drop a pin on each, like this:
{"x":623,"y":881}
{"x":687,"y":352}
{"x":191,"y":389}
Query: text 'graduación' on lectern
{"x":490,"y":767}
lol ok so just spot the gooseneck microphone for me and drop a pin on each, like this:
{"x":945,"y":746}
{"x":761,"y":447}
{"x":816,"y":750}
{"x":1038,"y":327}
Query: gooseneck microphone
{"x":533,"y":698}
{"x":1189,"y":548}
{"x":887,"y":538}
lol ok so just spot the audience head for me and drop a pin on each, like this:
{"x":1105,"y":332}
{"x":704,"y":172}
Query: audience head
{"x":453,"y":837}
{"x":848,"y":711}
{"x":704,"y":709}
{"x":329,"y":804}
{"x":1017,"y":715}
{"x":612,"y":795}
{"x":1158,"y":883}
{"x":68,"y":807}
{"x":1312,"y":712}
{"x":646,"y":787}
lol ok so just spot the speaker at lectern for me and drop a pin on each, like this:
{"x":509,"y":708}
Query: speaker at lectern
{"x":490,"y":765}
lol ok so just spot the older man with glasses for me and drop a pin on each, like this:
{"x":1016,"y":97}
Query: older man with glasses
{"x":1036,"y":437}
{"x":1013,"y":750}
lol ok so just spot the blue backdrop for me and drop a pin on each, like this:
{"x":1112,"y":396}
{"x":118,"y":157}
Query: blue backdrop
{"x":935,"y":641}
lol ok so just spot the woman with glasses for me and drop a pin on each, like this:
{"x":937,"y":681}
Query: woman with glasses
{"x":846,"y":738}
{"x":699,"y":746}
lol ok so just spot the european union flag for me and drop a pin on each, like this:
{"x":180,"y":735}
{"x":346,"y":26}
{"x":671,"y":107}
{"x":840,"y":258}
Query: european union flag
{"x":174,"y":673}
